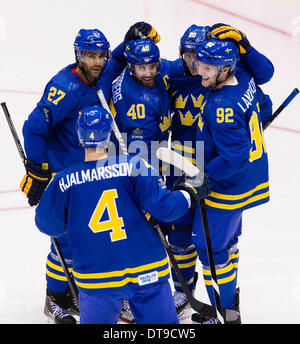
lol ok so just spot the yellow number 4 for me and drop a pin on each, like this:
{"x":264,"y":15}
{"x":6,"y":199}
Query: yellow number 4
{"x":114,"y":223}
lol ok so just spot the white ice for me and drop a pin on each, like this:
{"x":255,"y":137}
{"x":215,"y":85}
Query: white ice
{"x":36,"y":40}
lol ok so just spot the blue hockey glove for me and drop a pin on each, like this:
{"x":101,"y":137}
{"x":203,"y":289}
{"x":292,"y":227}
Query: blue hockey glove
{"x":141,"y":30}
{"x":229,"y":33}
{"x":195,"y":186}
{"x":35,"y":181}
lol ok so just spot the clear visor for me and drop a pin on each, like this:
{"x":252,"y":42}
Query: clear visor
{"x":205,"y":69}
{"x":85,"y":56}
{"x":150,"y":69}
{"x":191,"y":61}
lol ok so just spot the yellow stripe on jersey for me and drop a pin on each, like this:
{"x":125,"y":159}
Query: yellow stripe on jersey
{"x":116,"y":284}
{"x":241,"y":196}
{"x":112,"y":108}
{"x":121,"y":273}
{"x":237,"y":205}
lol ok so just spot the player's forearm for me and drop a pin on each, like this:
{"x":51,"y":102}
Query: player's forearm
{"x":259,"y":66}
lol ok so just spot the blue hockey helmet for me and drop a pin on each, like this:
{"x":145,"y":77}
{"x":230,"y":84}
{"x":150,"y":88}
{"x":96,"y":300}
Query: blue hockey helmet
{"x":91,"y":40}
{"x":192,"y":38}
{"x":218,"y":53}
{"x":94,"y":127}
{"x":141,"y":51}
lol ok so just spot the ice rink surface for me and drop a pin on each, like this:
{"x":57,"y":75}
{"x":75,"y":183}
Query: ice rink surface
{"x":36,"y":39}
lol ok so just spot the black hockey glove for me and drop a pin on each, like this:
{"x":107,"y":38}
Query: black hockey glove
{"x":195,"y":186}
{"x":229,"y":33}
{"x":141,"y":30}
{"x":35,"y":181}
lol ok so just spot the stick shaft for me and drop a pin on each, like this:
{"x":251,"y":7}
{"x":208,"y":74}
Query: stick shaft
{"x":285,"y":103}
{"x":54,"y":240}
{"x":198,"y":306}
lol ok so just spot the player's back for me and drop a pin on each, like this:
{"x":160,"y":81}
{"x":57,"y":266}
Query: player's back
{"x":114,"y":245}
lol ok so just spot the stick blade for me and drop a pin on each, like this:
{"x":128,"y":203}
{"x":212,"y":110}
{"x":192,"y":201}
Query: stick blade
{"x":173,"y":158}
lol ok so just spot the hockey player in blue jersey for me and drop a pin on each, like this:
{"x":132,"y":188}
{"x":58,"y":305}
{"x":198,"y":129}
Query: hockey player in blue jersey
{"x":236,"y":162}
{"x":140,"y":99}
{"x":141,"y":107}
{"x":100,"y":204}
{"x":51,"y":141}
{"x":187,"y":101}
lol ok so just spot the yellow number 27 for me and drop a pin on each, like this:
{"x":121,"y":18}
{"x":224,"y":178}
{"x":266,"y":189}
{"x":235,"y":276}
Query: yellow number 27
{"x":114,"y":222}
{"x":54,"y":95}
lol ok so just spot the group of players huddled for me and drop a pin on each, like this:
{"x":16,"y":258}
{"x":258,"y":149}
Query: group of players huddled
{"x":98,"y":207}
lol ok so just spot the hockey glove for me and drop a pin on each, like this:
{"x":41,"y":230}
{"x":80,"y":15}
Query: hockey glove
{"x":141,"y":30}
{"x":195,"y":186}
{"x":35,"y":181}
{"x":229,"y":33}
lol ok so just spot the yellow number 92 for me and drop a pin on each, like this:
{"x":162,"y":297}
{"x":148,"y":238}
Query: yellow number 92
{"x":225,"y":115}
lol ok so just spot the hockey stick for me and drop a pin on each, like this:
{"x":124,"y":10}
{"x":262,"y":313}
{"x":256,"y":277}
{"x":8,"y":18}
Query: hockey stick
{"x":171,"y":157}
{"x":180,"y":162}
{"x":197,"y":305}
{"x":281,"y":107}
{"x":54,"y":240}
{"x":114,"y":127}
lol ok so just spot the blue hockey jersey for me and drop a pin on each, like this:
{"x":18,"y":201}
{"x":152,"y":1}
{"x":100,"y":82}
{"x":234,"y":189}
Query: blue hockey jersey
{"x":100,"y":205}
{"x":50,"y":130}
{"x":188,"y":97}
{"x":235,"y":151}
{"x":140,"y":112}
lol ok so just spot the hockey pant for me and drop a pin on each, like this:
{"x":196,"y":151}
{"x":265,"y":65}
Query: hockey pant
{"x":55,"y":276}
{"x":151,"y":304}
{"x":225,"y":228}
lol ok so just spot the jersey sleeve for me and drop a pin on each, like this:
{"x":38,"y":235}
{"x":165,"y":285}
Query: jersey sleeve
{"x":114,"y":68}
{"x":259,"y":66}
{"x":55,"y":104}
{"x":229,"y":133}
{"x":51,"y":212}
{"x":265,"y":104}
{"x":153,"y":195}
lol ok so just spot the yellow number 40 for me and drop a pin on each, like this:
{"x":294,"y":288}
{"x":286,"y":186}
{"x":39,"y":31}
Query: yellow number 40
{"x":114,"y":223}
{"x":136,"y":111}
